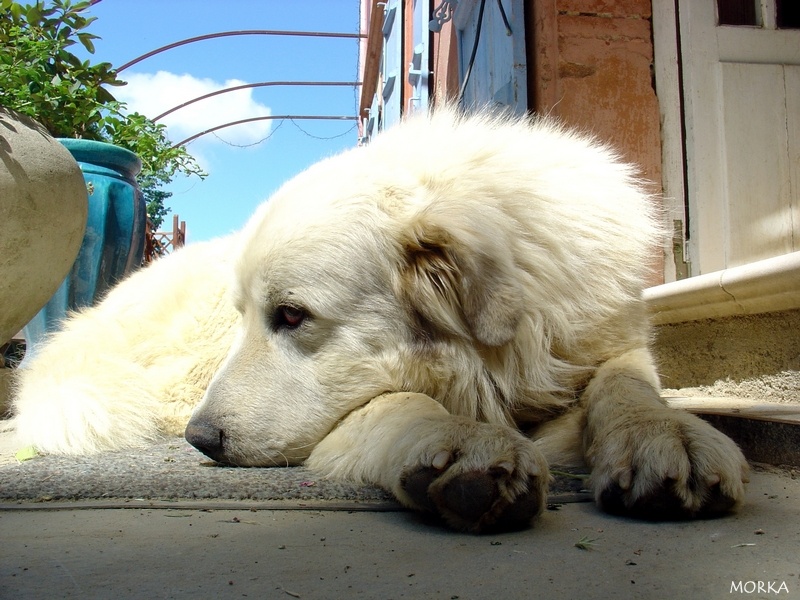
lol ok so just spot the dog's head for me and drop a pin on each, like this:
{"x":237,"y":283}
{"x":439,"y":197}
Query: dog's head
{"x":349,"y":286}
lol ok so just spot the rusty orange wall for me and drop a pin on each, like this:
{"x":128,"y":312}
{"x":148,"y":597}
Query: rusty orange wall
{"x":592,"y":67}
{"x":595,"y":61}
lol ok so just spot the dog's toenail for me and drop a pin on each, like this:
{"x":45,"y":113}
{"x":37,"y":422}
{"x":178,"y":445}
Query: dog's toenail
{"x":441,"y":459}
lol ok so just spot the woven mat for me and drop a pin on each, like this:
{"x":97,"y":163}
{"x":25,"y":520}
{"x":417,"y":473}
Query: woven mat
{"x":172,"y":471}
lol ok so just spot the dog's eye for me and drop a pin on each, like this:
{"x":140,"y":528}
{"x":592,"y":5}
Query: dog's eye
{"x":289,"y":317}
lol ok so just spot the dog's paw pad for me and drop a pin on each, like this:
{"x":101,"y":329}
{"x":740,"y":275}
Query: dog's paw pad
{"x":483,"y":501}
{"x":525,"y":507}
{"x":717,"y":502}
{"x":662,"y":504}
{"x":415,"y":484}
{"x":475,"y":501}
{"x":665,"y":502}
{"x":470,"y":495}
{"x":476,"y":477}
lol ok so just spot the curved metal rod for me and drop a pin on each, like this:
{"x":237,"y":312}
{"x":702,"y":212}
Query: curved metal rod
{"x":209,"y":36}
{"x":267,"y":118}
{"x":254,"y":85}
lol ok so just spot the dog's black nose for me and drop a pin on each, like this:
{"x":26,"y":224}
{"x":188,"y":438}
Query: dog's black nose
{"x":206,"y":438}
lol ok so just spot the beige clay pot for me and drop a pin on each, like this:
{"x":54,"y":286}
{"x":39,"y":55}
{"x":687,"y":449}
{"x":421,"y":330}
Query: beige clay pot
{"x":43,"y":207}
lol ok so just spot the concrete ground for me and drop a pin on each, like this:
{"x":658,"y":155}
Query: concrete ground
{"x":189,"y":553}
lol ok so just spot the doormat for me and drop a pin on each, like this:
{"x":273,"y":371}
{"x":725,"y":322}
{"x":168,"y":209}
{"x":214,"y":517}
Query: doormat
{"x":172,"y":471}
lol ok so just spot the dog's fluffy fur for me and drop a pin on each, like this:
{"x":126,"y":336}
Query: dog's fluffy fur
{"x":441,"y":312}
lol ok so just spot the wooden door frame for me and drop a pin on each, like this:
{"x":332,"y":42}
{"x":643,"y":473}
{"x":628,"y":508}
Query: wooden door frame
{"x":691,"y":134}
{"x":669,"y":89}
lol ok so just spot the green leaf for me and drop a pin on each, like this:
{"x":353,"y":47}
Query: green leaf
{"x":26,"y":453}
{"x":586,"y":543}
{"x":86,"y":40}
{"x":16,"y":11}
{"x":104,"y":96}
{"x":33,"y":13}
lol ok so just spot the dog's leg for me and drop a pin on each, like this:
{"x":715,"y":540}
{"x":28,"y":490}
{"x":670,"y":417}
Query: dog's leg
{"x":476,"y":476}
{"x":649,"y":460}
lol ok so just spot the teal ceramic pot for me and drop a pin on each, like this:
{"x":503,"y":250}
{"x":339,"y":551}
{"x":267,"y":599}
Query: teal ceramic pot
{"x":113,"y":244}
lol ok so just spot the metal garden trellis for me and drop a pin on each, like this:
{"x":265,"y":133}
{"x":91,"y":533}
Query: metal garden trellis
{"x":209,"y":36}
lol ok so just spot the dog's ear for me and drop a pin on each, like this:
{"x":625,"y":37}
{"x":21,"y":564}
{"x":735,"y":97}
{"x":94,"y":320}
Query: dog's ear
{"x":461,"y":281}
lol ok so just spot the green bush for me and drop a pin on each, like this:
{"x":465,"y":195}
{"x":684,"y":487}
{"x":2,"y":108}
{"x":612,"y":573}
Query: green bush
{"x":42,"y":78}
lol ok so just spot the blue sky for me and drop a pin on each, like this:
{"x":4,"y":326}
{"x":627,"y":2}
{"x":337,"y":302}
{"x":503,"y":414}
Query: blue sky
{"x":239,"y":178}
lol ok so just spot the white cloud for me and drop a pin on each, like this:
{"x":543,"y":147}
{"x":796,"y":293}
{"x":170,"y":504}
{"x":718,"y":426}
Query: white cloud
{"x":152,"y":94}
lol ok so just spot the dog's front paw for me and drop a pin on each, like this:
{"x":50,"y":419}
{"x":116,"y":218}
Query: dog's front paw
{"x":666,"y":464}
{"x":478,"y":478}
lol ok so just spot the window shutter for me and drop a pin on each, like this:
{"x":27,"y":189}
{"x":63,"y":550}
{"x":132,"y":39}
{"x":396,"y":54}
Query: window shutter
{"x":419,"y":69}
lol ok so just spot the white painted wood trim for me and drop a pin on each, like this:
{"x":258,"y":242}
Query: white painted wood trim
{"x":666,"y":57}
{"x":753,"y":45}
{"x":764,"y":286}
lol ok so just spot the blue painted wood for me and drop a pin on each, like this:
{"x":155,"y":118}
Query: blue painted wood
{"x":499,"y":74}
{"x":419,"y":69}
{"x":391,"y":69}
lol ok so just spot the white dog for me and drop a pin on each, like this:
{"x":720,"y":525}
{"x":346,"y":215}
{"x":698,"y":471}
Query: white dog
{"x":442,"y":313}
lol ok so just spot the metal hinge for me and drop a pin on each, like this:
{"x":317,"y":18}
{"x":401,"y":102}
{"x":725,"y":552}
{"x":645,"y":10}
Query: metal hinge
{"x":680,"y":251}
